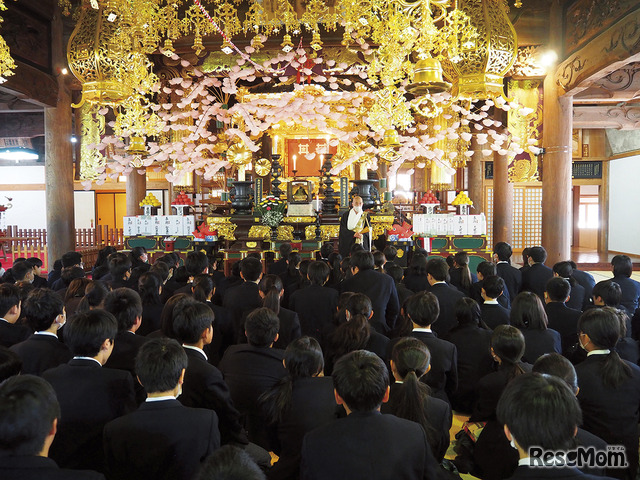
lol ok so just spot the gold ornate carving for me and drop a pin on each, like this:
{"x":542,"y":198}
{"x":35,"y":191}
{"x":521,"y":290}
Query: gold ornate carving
{"x":92,"y":162}
{"x":585,"y":19}
{"x":285,"y":232}
{"x":260,"y":231}
{"x":328,"y":232}
{"x":224,"y":226}
{"x":299,"y":219}
{"x":382,"y":219}
{"x":527,"y":94}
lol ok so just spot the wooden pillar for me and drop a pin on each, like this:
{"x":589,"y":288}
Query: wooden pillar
{"x":59,"y":158}
{"x":136,"y":191}
{"x":502,"y":200}
{"x":475,"y":168}
{"x":556,"y":170}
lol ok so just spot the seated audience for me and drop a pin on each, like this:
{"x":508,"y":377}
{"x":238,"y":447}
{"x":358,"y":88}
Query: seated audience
{"x":271,"y":291}
{"x":11,"y":332}
{"x":162,"y":439}
{"x":561,"y":318}
{"x":10,"y":363}
{"x":101,"y":267}
{"x":397,"y":273}
{"x":69,"y":260}
{"x":230,"y":463}
{"x":437,"y":274}
{"x":485,"y":270}
{"x":280,"y":266}
{"x":512,"y":277}
{"x":586,"y":280}
{"x":245,"y":297}
{"x":395,"y":447}
{"x":577,"y":294}
{"x":94,"y":294}
{"x":493,"y":313}
{"x":29,"y":414}
{"x":36,"y":264}
{"x":461,"y":276}
{"x":415,"y":278}
{"x":622,"y":268}
{"x":528,"y":315}
{"x":43,"y":350}
{"x":150,"y":289}
{"x":74,"y":294}
{"x":535,"y":278}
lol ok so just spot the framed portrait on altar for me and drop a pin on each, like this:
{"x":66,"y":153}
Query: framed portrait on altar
{"x":299,"y":191}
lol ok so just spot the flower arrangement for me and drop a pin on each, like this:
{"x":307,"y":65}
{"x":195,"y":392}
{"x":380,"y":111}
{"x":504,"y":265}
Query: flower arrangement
{"x":271,"y":210}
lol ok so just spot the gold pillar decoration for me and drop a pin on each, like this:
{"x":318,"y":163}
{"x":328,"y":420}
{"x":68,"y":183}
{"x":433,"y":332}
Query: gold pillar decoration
{"x":92,"y":125}
{"x":527,"y":94}
{"x":6,"y":62}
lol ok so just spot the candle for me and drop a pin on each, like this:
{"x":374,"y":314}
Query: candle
{"x":275,"y":144}
{"x":321,"y":161}
{"x":294,"y":162}
{"x":241,"y":176}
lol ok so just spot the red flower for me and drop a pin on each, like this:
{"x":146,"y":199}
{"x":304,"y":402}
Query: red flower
{"x":268,"y":208}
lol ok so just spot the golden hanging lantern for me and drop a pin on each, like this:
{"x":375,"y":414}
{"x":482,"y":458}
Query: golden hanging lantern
{"x":481,"y":49}
{"x":427,"y":78}
{"x":239,"y":154}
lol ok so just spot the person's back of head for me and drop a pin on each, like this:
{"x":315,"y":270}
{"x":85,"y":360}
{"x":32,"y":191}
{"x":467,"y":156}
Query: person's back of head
{"x":28,"y":413}
{"x":467,"y":312}
{"x":362,"y":260}
{"x":326,"y":249}
{"x":563,"y":269}
{"x":262,"y":327}
{"x":94,"y":294}
{"x":285,"y":250}
{"x":361,"y":380}
{"x":437,"y":267}
{"x":486,"y":269}
{"x":503,"y":251}
{"x":528,"y":312}
{"x":318,"y":273}
{"x":169,"y":311}
{"x":558,"y":366}
{"x":86,"y":334}
{"x":71,"y":259}
{"x":9,"y":299}
{"x":196,"y":263}
{"x":410,"y":356}
{"x":303,"y":358}
{"x":35,"y":262}
{"x":450,"y":261}
{"x":538,"y":254}
{"x":394,"y":271}
{"x":378,"y":259}
{"x":525,"y":255}
{"x":250,"y":269}
{"x":190,"y":320}
{"x":10,"y":363}
{"x":558,"y":289}
{"x":125,"y":305}
{"x":149,"y":287}
{"x":203,"y":287}
{"x":622,"y":266}
{"x":42,"y":308}
{"x":103,"y":255}
{"x":356,"y":247}
{"x":390,"y":253}
{"x":423,"y":308}
{"x":609,"y":292}
{"x":493,"y":286}
{"x":69,"y":274}
{"x":507,"y":342}
{"x":161,"y":269}
{"x":119,"y":265}
{"x":271,"y":289}
{"x":539,"y":411}
{"x":22,"y":271}
{"x":418,"y":264}
{"x":160,"y":365}
{"x":230,"y":463}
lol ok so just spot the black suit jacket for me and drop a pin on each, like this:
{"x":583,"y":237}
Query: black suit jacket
{"x":381,"y":290}
{"x":488,"y":391}
{"x":563,"y":320}
{"x":316,"y":306}
{"x":539,"y":342}
{"x":588,"y":282}
{"x":125,"y":349}
{"x":447,"y":298}
{"x":41,"y":352}
{"x":289,"y":328}
{"x":630,"y":293}
{"x":438,"y":414}
{"x":312,"y":405}
{"x":494,"y":315}
{"x":476,"y":294}
{"x":576,"y":297}
{"x":278,"y":267}
{"x":443,"y":376}
{"x":249,"y":372}
{"x":610,"y":413}
{"x":240,"y":301}
{"x":204,"y":387}
{"x":368,"y":446}
{"x":151,"y":319}
{"x":32,"y":467}
{"x":512,"y":278}
{"x":223,"y":334}
{"x":455,"y":279}
{"x":535,"y":279}
{"x":474,"y":361}
{"x":160,"y":440}
{"x":416,"y":283}
{"x":89,"y":396}
{"x":10,"y":333}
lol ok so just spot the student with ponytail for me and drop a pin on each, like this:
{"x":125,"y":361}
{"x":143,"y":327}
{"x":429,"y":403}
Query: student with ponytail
{"x":461,"y":276}
{"x":150,"y":289}
{"x":355,"y":333}
{"x":609,"y":386}
{"x":272,"y":291}
{"x":94,"y":295}
{"x":409,"y":397}
{"x":302,"y":401}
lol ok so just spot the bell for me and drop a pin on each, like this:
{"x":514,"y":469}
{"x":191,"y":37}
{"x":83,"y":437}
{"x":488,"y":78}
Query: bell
{"x":428,"y":70}
{"x":391,"y":138}
{"x":137,"y":146}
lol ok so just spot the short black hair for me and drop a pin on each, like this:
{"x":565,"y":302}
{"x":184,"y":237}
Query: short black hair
{"x":159,"y":364}
{"x":196,"y":263}
{"x":326,"y":249}
{"x":437,"y":267}
{"x":125,"y":304}
{"x":303,"y":357}
{"x":487,"y":269}
{"x":21,"y":269}
{"x":622,"y":265}
{"x":503,"y":250}
{"x":538,"y":254}
{"x":9,"y":297}
{"x":35,"y":261}
{"x":361,"y":379}
{"x":507,"y":342}
{"x":563,"y":269}
{"x":609,"y":291}
{"x":251,"y":268}
{"x":230,"y":463}
{"x":540,"y":410}
{"x":493,"y":286}
{"x":41,"y":308}
{"x":10,"y":363}
{"x":558,"y":366}
{"x":378,"y":258}
{"x":119,"y":264}
{"x":394,"y":271}
{"x":69,"y":274}
{"x":285,"y":250}
{"x":423,"y":308}
{"x":390,"y":253}
{"x":362,"y":259}
{"x":190,"y":319}
{"x":70,"y":259}
{"x":28,"y":408}
{"x":467,"y":311}
{"x":318,"y":272}
{"x":528,"y":312}
{"x":161,"y":269}
{"x":86,"y":333}
{"x":261,"y":327}
{"x":558,"y":289}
